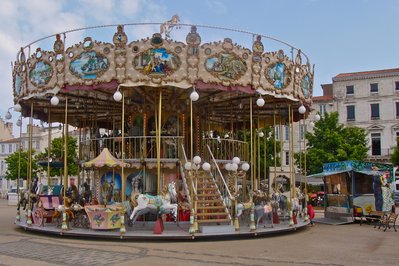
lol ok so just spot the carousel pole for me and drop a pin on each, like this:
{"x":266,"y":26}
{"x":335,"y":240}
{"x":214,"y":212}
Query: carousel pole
{"x":29,"y":220}
{"x":64,"y":225}
{"x":305,"y":210}
{"x":251,"y":142}
{"x":18,"y":217}
{"x":275,"y":153}
{"x":48,"y":146}
{"x":258,"y":182}
{"x":159,"y":142}
{"x":291,"y":152}
{"x":122,"y":230}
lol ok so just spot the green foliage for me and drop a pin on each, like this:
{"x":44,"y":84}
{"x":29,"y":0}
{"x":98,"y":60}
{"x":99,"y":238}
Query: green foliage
{"x":332,"y":142}
{"x":395,"y":156}
{"x":12,"y":165}
{"x":57,"y":155}
{"x":269,"y":134}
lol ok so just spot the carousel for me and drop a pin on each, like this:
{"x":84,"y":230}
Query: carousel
{"x":172,"y":134}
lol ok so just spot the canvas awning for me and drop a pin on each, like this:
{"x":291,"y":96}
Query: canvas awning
{"x":105,"y":158}
{"x":323,"y":174}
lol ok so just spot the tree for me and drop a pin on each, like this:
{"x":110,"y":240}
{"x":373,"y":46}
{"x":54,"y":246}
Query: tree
{"x":57,"y":155}
{"x":269,"y":134}
{"x":332,"y":142}
{"x":395,"y":156}
{"x":12,"y":165}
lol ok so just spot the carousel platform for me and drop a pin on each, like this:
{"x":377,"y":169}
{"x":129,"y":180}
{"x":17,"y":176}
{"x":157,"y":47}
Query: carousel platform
{"x":172,"y":231}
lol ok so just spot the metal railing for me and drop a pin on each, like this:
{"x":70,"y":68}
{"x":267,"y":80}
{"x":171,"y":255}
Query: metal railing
{"x":137,"y":147}
{"x":225,"y":149}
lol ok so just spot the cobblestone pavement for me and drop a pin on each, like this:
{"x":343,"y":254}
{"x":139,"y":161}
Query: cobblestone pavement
{"x":318,"y":245}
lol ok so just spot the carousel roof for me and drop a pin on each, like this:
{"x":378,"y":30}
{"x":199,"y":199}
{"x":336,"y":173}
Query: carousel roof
{"x":226,"y":75}
{"x":104,"y":159}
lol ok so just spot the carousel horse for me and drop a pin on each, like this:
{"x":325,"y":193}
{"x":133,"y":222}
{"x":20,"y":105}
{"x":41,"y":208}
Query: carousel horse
{"x":67,"y":208}
{"x":169,"y":25}
{"x":280,"y":202}
{"x":24,"y":199}
{"x":144,"y":203}
{"x":263,"y":211}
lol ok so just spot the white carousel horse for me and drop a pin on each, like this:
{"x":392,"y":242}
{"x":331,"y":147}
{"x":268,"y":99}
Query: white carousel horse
{"x":167,"y":26}
{"x":144,"y":203}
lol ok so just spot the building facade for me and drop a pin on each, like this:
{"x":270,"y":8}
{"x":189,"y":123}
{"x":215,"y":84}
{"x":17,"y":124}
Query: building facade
{"x":370,"y":100}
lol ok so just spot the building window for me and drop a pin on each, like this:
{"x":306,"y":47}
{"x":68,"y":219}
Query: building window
{"x":23,"y":145}
{"x":397,"y":85}
{"x":277,"y":132}
{"x":2,"y":167}
{"x":287,"y":133}
{"x":287,"y":158}
{"x":302,"y":130}
{"x":375,"y":111}
{"x":10,"y":148}
{"x":37,"y":145}
{"x":350,"y":113}
{"x":375,"y":144}
{"x":374,"y":87}
{"x":2,"y":148}
{"x":350,"y":90}
{"x":322,"y":109}
{"x":397,"y":138}
{"x":397,"y":109}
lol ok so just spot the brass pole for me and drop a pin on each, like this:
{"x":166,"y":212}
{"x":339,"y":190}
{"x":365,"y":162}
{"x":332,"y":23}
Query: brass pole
{"x":29,"y":220}
{"x":258,"y":183}
{"x":49,"y":146}
{"x":65,"y":149}
{"x":191,"y":130}
{"x":292,"y":152}
{"x":264,"y":155}
{"x":123,"y":149}
{"x":251,"y":143}
{"x":275,"y":153}
{"x":18,"y":218}
{"x":159,"y":141}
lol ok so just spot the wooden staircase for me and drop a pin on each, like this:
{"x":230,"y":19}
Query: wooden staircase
{"x":210,"y":205}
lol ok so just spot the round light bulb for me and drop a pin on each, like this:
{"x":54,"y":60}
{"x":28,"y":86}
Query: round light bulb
{"x":19,"y":123}
{"x":197,"y":159}
{"x":260,"y":102}
{"x":317,"y":117}
{"x":206,"y":167}
{"x":194,"y":96}
{"x":187,"y":166}
{"x":17,"y":107}
{"x":302,"y":109}
{"x":117,"y":96}
{"x":54,"y":100}
{"x":236,"y":160}
{"x":8,"y":115}
{"x":261,"y":134}
{"x":234,"y":167}
{"x":245,"y":166}
{"x":311,"y":124}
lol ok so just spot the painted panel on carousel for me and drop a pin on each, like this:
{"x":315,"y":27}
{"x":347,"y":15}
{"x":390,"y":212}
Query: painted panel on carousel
{"x":18,"y":84}
{"x":40,"y":74}
{"x":89,"y":65}
{"x":134,"y":183}
{"x":226,"y":66}
{"x":305,"y":86}
{"x":156,"y":62}
{"x":111,"y":187}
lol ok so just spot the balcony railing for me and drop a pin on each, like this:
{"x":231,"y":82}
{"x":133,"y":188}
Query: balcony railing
{"x":135,"y":147}
{"x":225,"y":149}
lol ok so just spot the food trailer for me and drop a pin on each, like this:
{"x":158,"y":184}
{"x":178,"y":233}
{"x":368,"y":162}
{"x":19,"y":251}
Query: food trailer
{"x":351,"y":185}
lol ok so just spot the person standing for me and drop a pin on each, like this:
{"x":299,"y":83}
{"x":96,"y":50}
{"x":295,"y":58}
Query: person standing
{"x":311,"y":213}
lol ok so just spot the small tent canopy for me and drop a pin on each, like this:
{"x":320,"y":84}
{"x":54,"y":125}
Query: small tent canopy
{"x":105,"y":158}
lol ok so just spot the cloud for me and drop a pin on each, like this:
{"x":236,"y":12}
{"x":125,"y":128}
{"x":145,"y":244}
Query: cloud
{"x":216,"y":7}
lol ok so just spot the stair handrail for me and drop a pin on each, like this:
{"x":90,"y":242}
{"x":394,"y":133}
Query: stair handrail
{"x":220,"y":173}
{"x":184,"y":177}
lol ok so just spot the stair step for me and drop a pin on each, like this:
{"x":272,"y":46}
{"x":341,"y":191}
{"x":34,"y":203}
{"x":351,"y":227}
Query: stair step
{"x":209,"y":201}
{"x":212,"y":214}
{"x":210,"y":207}
{"x":208,"y":195}
{"x":213,"y":221}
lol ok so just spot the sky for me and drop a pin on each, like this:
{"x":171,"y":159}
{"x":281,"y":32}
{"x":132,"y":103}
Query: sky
{"x":338,"y":36}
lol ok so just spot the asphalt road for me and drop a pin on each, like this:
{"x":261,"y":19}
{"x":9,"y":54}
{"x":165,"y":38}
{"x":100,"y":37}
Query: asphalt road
{"x":318,"y":245}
